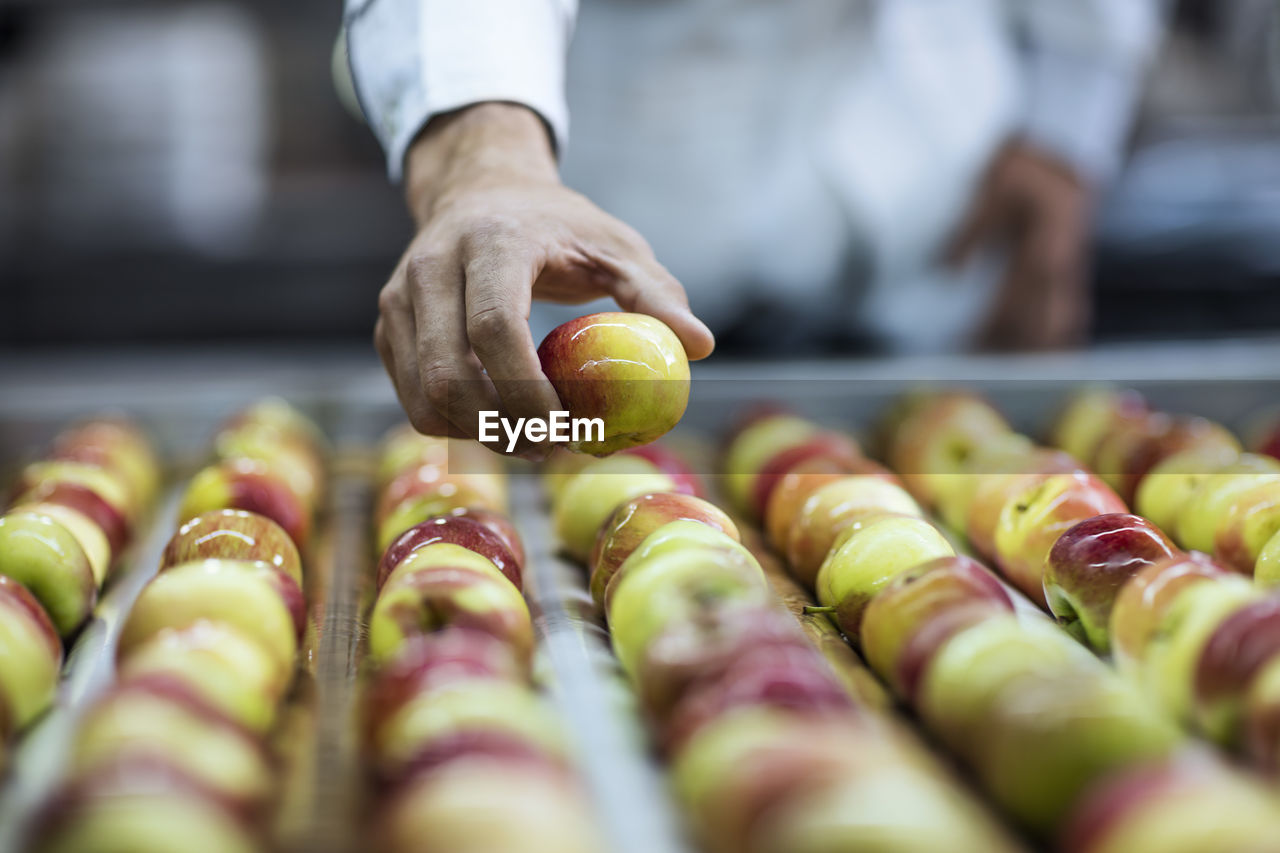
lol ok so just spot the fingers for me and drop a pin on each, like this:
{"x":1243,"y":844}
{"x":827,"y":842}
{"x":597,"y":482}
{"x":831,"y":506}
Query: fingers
{"x":393,"y":338}
{"x":450,"y":376}
{"x":498,"y":298}
{"x":645,"y":286}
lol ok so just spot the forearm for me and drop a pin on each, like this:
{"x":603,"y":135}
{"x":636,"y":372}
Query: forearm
{"x":488,"y":142}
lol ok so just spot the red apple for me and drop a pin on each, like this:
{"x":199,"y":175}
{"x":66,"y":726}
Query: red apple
{"x":118,"y":445}
{"x":673,"y":464}
{"x":1032,"y":520}
{"x":1261,"y":727}
{"x":458,"y":530}
{"x":252,"y":486}
{"x":234,"y":534}
{"x":919,"y":610}
{"x":752,"y":446}
{"x":30,"y":657}
{"x":633,"y":521}
{"x":1177,"y":435}
{"x":628,"y":370}
{"x":45,"y":557}
{"x":1089,"y":564}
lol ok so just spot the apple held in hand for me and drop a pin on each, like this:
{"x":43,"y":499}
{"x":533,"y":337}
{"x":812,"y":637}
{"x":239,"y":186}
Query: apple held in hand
{"x":1032,"y":521}
{"x":234,"y":534}
{"x":832,"y":509}
{"x":162,"y":719}
{"x":443,"y":585}
{"x":252,"y":486}
{"x":628,"y":370}
{"x":635,"y":520}
{"x":222,"y":664}
{"x":457,"y":530}
{"x":753,"y":446}
{"x":256,"y":599}
{"x":866,"y":560}
{"x":1089,"y":564}
{"x":919,"y":610}
{"x":45,"y":557}
{"x":591,"y":496}
{"x":30,"y":657}
{"x":461,"y":710}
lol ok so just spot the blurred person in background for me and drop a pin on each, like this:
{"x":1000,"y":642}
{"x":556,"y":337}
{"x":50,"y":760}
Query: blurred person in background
{"x":818,"y":174}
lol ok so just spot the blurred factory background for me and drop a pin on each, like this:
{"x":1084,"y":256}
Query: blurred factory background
{"x":182,"y":171}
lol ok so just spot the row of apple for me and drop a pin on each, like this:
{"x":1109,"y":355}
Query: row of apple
{"x":1047,"y":728}
{"x":463,"y":751}
{"x":71,"y":516}
{"x":1187,"y":475}
{"x":769,"y":752}
{"x":1113,"y":579}
{"x":178,"y":751}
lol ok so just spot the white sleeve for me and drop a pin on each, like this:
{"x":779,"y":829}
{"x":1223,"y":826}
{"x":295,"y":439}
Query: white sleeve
{"x":413,"y":59}
{"x":1086,"y":60}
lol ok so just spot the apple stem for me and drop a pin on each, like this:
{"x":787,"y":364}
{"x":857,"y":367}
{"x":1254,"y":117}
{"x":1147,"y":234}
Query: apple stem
{"x":814,"y":610}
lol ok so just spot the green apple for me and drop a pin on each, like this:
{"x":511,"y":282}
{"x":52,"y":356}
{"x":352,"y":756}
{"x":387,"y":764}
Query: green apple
{"x":1252,"y":518}
{"x":751,"y":448}
{"x":484,"y":705}
{"x":30,"y":657}
{"x":677,"y":584}
{"x":587,"y":501}
{"x":1004,"y":454}
{"x":866,"y":560}
{"x":833,"y":508}
{"x":1266,"y":572}
{"x":1170,"y":484}
{"x":136,"y":722}
{"x":1200,"y":517}
{"x":445,"y":584}
{"x":243,"y":595}
{"x":1168,"y":669}
{"x":46,"y":558}
{"x":219,"y":662}
{"x":92,"y":540}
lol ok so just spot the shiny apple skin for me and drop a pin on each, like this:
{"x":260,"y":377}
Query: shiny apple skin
{"x":458,"y":530}
{"x":234,"y":534}
{"x":1089,"y":564}
{"x":630,"y":370}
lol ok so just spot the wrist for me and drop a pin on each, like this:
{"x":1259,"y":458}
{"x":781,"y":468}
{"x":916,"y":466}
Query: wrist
{"x":476,"y":144}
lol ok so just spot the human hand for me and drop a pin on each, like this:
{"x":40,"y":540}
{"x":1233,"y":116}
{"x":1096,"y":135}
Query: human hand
{"x":1038,"y":209}
{"x":497,"y":229}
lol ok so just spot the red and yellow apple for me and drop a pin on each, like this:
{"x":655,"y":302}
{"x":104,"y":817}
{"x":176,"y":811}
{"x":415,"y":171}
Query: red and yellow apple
{"x":754,"y":445}
{"x":591,"y":496}
{"x":233,"y":534}
{"x":30,"y":657}
{"x":250,"y":485}
{"x":937,"y":439}
{"x":628,"y":370}
{"x":43,"y":556}
{"x":459,"y":530}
